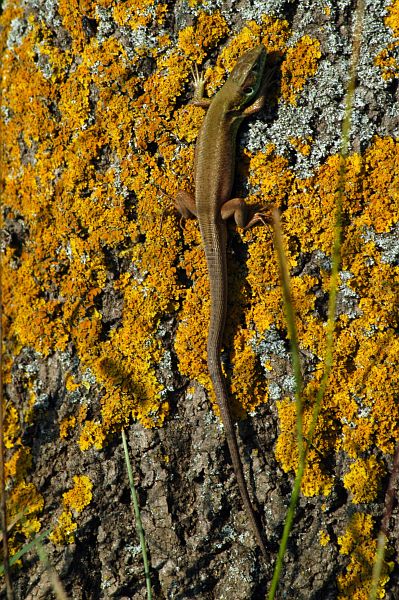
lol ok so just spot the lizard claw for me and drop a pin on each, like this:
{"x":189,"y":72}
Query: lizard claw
{"x":199,"y":82}
{"x":258,"y":217}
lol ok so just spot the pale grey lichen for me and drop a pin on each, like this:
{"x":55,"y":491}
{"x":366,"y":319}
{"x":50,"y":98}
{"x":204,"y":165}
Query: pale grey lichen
{"x":321,"y":104}
{"x":275,"y":8}
{"x":47,"y":11}
{"x":19,"y":28}
{"x":106,"y":24}
{"x":387,"y":243}
{"x":347,"y":299}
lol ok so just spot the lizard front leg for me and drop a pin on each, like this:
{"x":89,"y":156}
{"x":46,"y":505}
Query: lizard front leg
{"x":185,"y":204}
{"x":184,"y":201}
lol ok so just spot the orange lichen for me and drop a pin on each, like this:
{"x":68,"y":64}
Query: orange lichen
{"x":91,"y":435}
{"x":357,"y":542}
{"x":209,"y":30}
{"x":387,"y":58}
{"x":12,"y":428}
{"x":92,"y":177}
{"x":74,"y":501}
{"x":24,"y":499}
{"x":303,"y":146}
{"x":271,"y":173}
{"x":300,"y":64}
{"x":138,"y":13}
{"x":80,"y":495}
{"x":324,"y":538}
{"x":66,"y":425}
{"x":18,"y":465}
{"x":245,"y":382}
{"x":64,"y":532}
{"x":363,"y":479}
{"x":316,"y":481}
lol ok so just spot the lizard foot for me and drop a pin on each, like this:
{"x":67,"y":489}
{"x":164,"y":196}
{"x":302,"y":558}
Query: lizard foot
{"x":259,"y":217}
{"x":199,"y":82}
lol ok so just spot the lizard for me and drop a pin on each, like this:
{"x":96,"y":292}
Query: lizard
{"x":242,"y":95}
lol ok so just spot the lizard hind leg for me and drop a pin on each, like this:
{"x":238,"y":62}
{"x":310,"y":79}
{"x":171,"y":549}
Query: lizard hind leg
{"x":237,"y":208}
{"x":185,"y":204}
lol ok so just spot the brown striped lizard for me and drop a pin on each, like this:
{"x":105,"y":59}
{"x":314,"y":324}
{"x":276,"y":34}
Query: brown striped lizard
{"x":242,"y":95}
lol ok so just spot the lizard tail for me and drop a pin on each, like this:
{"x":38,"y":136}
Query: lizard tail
{"x":219,"y":387}
{"x":218,"y":284}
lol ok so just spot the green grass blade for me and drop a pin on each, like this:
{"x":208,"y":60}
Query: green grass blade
{"x":139,"y":525}
{"x":334,"y":285}
{"x":3,"y":501}
{"x":296,"y":367}
{"x":291,"y":323}
{"x":383,"y":535}
{"x":25,"y":549}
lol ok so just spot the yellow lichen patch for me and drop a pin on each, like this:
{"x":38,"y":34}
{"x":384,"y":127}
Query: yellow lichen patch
{"x":300,"y":64}
{"x":12,"y":428}
{"x":311,"y":204}
{"x":74,"y":501}
{"x":301,"y":145}
{"x":287,"y":444}
{"x":324,"y":538}
{"x":387,"y":58}
{"x":64,"y":532}
{"x":246,"y":383}
{"x":270,"y":172}
{"x":187,"y":122}
{"x":72,"y":14}
{"x":25,"y":499}
{"x":91,"y":435}
{"x":392,"y":19}
{"x":190,"y":343}
{"x":66,"y":425}
{"x":363,"y":479}
{"x":316,"y":481}
{"x":139,"y":13}
{"x":361,"y":526}
{"x":70,"y":384}
{"x":18,"y":465}
{"x":80,"y":495}
{"x":381,"y":189}
{"x":357,"y":542}
{"x":209,"y":30}
{"x":357,"y":438}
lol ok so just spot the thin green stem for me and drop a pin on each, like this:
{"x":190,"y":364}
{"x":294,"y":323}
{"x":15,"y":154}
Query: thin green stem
{"x":383,"y":535}
{"x":296,"y":367}
{"x":332,"y":304}
{"x":336,"y":251}
{"x":291,"y":323}
{"x":27,"y":548}
{"x":3,"y":504}
{"x":139,"y":525}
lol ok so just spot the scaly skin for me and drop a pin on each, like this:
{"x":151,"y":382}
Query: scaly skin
{"x":241,"y":96}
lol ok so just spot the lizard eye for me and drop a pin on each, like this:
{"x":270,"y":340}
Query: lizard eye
{"x":248,"y":90}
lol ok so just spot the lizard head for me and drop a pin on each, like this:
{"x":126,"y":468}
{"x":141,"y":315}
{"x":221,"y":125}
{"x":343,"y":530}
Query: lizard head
{"x":247,"y":74}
